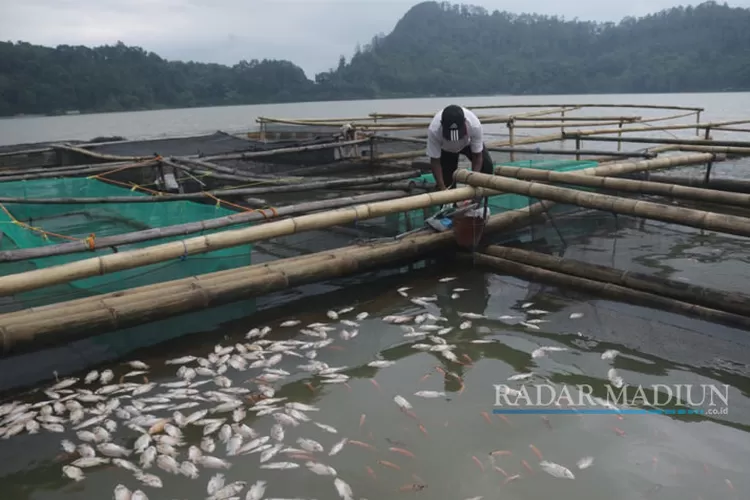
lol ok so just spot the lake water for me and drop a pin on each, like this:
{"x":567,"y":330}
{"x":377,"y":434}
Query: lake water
{"x":441,"y":447}
{"x":719,"y":106}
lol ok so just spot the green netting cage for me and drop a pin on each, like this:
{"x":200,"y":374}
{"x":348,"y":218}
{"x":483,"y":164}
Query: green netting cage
{"x":35,"y":225}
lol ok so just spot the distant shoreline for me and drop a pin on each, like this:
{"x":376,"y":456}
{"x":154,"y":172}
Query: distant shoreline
{"x":382,"y":98}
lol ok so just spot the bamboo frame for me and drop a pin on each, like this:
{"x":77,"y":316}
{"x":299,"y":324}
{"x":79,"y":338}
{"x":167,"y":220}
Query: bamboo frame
{"x":64,"y":273}
{"x":729,"y":224}
{"x":192,"y":227}
{"x":629,"y":185}
{"x":284,"y":188}
{"x":515,"y":268}
{"x":735,"y":303}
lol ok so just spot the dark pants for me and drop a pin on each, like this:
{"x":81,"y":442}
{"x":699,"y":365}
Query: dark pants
{"x":449,"y":164}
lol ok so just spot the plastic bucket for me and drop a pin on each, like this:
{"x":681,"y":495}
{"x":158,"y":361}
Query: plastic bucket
{"x":468,"y":230}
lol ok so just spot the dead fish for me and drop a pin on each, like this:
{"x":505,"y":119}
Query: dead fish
{"x":112,"y":450}
{"x":138,"y":495}
{"x":310,"y":445}
{"x":615,"y":379}
{"x":180,"y":361}
{"x":446,"y":279}
{"x":430,"y":394}
{"x":280,"y":465}
{"x":556,"y":470}
{"x":213,"y":462}
{"x":610,"y":354}
{"x":585,"y":462}
{"x":189,"y":469}
{"x":91,"y":378}
{"x":149,"y":479}
{"x":122,"y":493}
{"x":465,"y":325}
{"x":521,"y":376}
{"x":215,"y":483}
{"x":343,"y":489}
{"x":63,"y":384}
{"x":256,"y":491}
{"x":320,"y":469}
{"x":326,"y":428}
{"x":290,"y":323}
{"x":381,"y":363}
{"x":86,"y":462}
{"x":361,"y":316}
{"x":576,"y":315}
{"x":336,"y":448}
{"x":106,"y":377}
{"x":138,"y":365}
{"x":402,"y":402}
{"x":332,"y":315}
{"x":168,"y":464}
{"x":73,"y":472}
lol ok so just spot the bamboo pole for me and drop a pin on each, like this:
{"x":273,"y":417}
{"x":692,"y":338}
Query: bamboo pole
{"x":629,"y":185}
{"x":539,"y":151}
{"x":281,"y":151}
{"x":732,"y":185}
{"x":78,"y":171}
{"x":64,"y":273}
{"x":23,"y":152}
{"x":711,"y":221}
{"x":99,"y":156}
{"x":735,"y":303}
{"x":214,"y":167}
{"x":600,"y":289}
{"x":194,"y":227}
{"x":63,"y":322}
{"x":660,"y":140}
{"x":286,"y":188}
{"x":728,"y":150}
{"x":242,"y":177}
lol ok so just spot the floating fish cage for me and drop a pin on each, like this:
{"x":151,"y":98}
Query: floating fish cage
{"x":499,"y":203}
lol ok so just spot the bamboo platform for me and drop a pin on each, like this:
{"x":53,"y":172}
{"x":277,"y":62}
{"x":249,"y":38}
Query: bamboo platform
{"x":297,"y":193}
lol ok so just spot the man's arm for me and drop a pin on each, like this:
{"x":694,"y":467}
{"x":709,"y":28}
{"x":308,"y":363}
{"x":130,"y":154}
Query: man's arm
{"x":434,"y":150}
{"x":477,"y":148}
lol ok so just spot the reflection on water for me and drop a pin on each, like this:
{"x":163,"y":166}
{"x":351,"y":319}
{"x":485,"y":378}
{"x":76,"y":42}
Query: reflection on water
{"x":445,"y":444}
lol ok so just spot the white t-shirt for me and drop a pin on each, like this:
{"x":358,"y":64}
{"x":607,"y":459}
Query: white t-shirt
{"x":437,"y":143}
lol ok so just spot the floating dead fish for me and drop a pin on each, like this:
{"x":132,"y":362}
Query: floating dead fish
{"x":336,"y":448}
{"x":430,"y":394}
{"x":556,"y":470}
{"x":280,"y":465}
{"x":256,"y":491}
{"x":402,"y":403}
{"x":446,"y":279}
{"x":381,"y":363}
{"x":614,"y":378}
{"x":73,"y":472}
{"x":320,"y":469}
{"x":290,"y":323}
{"x":576,"y":315}
{"x":585,"y":462}
{"x":610,"y":354}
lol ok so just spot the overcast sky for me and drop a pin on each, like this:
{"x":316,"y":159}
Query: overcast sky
{"x":311,"y":33}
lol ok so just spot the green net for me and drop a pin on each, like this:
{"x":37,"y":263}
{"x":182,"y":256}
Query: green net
{"x":59,"y":223}
{"x":497,"y":204}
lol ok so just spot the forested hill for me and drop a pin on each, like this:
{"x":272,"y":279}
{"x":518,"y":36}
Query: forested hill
{"x":435,"y":49}
{"x":446,"y":49}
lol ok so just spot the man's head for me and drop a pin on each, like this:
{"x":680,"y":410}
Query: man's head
{"x":453,"y":122}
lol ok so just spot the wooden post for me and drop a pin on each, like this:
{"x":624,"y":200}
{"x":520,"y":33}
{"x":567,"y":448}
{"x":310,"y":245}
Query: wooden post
{"x":619,"y":136}
{"x":578,"y":148}
{"x":562,"y":123}
{"x":511,"y":138}
{"x":697,"y":122}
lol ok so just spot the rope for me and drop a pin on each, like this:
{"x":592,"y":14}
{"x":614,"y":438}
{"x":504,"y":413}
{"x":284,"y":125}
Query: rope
{"x":45,"y":234}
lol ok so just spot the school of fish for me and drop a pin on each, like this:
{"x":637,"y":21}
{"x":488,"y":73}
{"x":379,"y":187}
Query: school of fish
{"x":125,"y":420}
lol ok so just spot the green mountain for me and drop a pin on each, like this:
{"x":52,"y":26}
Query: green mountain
{"x":435,"y":49}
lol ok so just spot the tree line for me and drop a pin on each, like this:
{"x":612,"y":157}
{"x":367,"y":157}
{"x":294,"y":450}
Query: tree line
{"x":435,"y":49}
